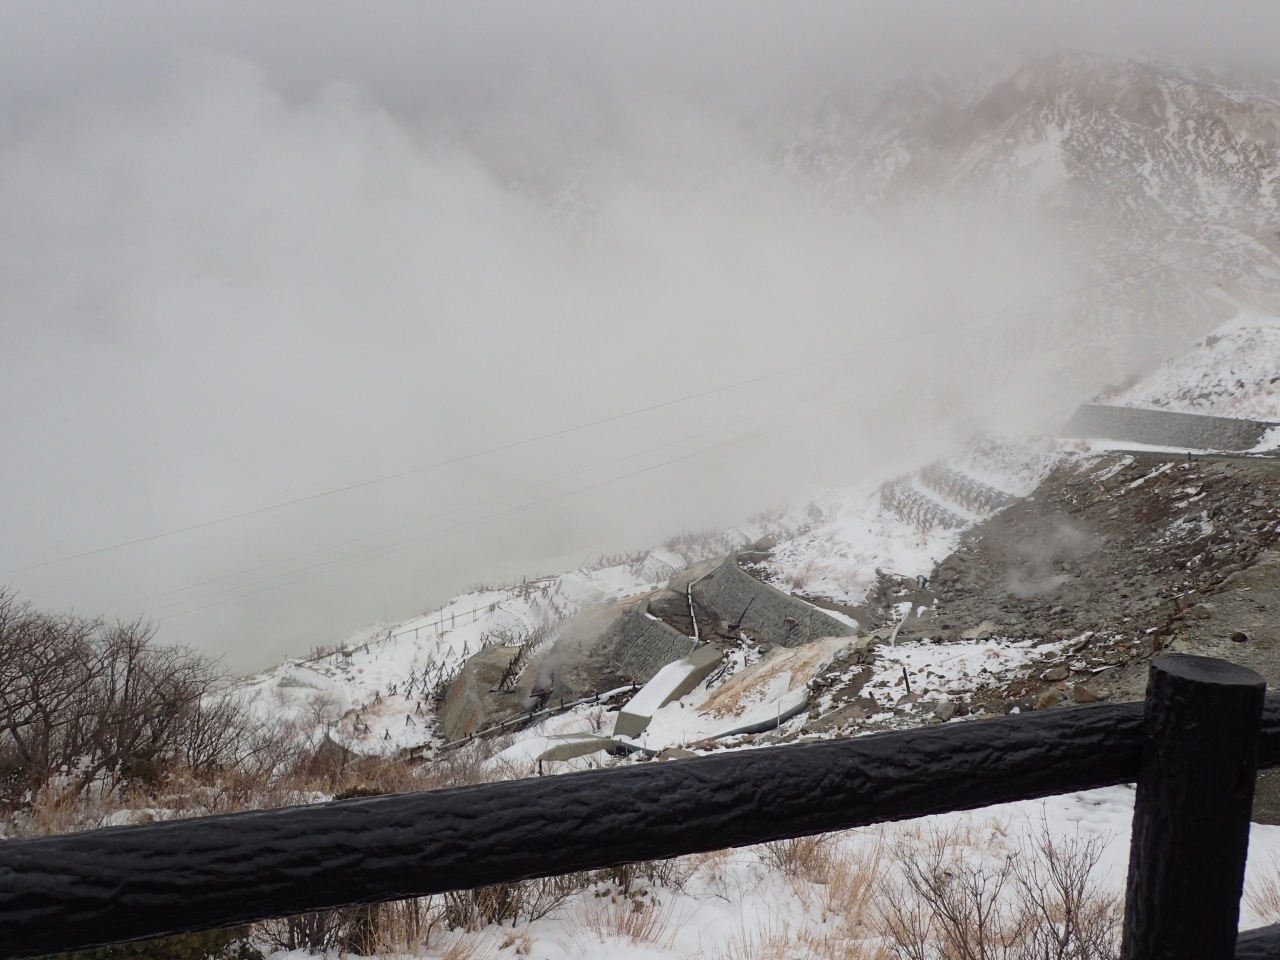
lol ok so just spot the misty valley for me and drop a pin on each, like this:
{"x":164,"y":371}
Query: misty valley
{"x":736,"y":483}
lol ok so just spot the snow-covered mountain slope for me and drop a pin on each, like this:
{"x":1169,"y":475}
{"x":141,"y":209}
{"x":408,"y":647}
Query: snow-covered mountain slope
{"x":374,"y":692}
{"x":1161,"y":179}
{"x":1127,"y":143}
{"x":1233,"y":372}
{"x":1171,"y":176}
{"x":839,"y":557}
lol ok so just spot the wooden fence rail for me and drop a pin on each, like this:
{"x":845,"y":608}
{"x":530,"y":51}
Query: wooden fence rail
{"x":127,"y":883}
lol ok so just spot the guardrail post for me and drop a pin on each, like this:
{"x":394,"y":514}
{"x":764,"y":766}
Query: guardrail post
{"x":1191,"y":814}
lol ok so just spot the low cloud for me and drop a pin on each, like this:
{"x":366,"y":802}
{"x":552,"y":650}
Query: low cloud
{"x":256,"y":254}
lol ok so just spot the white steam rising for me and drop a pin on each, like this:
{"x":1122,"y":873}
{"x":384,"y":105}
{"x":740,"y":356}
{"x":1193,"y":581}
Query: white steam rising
{"x":225,"y":286}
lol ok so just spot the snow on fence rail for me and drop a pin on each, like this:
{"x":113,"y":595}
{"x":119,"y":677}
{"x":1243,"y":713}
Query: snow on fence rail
{"x":1193,"y":748}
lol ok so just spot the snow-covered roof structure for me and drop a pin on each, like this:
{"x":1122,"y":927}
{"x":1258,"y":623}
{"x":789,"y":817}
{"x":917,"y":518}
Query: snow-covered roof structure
{"x":670,"y":683}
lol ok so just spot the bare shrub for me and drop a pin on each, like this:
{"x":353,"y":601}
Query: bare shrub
{"x":400,"y":926}
{"x":313,"y":932}
{"x":212,"y":734}
{"x":523,"y":901}
{"x":87,"y":703}
{"x":641,"y":877}
{"x":801,"y":858}
{"x":964,"y":913}
{"x":1065,"y":917}
{"x":955,"y":902}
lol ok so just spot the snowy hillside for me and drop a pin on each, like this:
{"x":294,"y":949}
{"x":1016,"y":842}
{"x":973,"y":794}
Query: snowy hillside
{"x":840,"y":549}
{"x":376,"y":693}
{"x":373,"y":694}
{"x":1136,"y":143}
{"x":838,"y":556}
{"x":1162,"y":167}
{"x":1233,"y":372}
{"x":1163,"y":180}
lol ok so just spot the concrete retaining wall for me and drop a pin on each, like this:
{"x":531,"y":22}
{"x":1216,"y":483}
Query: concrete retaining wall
{"x":761,"y":611}
{"x":607,"y":648}
{"x":644,"y":645}
{"x":1165,"y":428}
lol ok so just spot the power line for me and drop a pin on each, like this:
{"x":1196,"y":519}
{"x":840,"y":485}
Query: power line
{"x":341,"y":563}
{"x":354,"y":559}
{"x":828,"y":358}
{"x":480,"y":503}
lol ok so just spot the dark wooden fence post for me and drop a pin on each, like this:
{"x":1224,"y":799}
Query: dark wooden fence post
{"x":1191,"y":816}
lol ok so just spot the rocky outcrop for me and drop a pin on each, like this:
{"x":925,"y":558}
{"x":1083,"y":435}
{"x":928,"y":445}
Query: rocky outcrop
{"x":473,"y":700}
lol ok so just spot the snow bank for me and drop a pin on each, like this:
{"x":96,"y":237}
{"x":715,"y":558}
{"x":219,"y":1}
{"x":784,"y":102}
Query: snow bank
{"x":1234,"y":372}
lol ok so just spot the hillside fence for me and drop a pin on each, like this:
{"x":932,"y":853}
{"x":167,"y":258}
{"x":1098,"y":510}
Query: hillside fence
{"x":1193,"y":749}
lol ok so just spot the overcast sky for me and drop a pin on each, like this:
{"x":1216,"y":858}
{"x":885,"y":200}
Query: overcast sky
{"x":253,"y":253}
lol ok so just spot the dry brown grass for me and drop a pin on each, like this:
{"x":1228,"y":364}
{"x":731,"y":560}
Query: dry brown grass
{"x":467,"y":946}
{"x":1263,"y":895}
{"x":772,"y":940}
{"x":647,"y":919}
{"x":802,"y":858}
{"x":849,"y":887}
{"x":794,"y":664}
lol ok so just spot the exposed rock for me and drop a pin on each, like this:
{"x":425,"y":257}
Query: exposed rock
{"x":982,"y":631}
{"x":1054,"y":674}
{"x":1050,"y":698}
{"x":470,"y":703}
{"x":1082,"y":694}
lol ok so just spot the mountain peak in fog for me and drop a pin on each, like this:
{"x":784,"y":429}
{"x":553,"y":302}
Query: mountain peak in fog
{"x":1127,"y":144}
